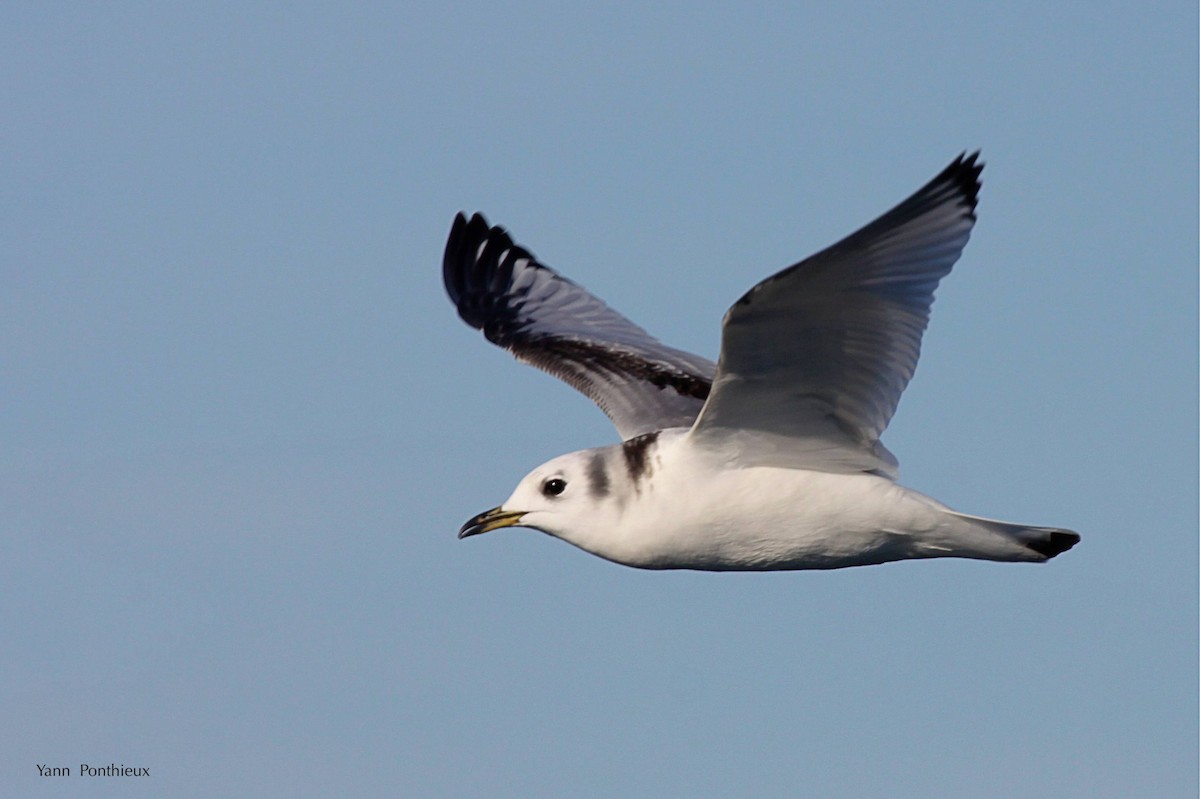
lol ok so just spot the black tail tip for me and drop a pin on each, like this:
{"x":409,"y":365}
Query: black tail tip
{"x":1056,"y":542}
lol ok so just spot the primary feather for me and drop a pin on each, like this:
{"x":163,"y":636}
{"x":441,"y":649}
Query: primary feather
{"x":556,"y":325}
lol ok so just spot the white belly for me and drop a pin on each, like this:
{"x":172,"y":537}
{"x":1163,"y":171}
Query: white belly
{"x":773,"y":518}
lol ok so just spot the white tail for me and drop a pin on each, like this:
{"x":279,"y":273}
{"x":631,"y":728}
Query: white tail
{"x":1044,"y":542}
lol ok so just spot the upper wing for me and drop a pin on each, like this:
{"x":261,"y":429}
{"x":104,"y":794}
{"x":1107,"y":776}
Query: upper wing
{"x":815,"y":358}
{"x":554,"y":324}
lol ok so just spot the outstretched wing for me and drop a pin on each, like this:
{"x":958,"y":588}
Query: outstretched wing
{"x":816,"y":357}
{"x":547,"y":321}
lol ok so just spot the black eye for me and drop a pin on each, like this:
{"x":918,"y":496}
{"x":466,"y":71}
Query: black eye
{"x":554,"y":486}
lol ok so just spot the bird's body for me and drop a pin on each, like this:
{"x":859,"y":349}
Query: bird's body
{"x":769,"y":459}
{"x":662,"y":501}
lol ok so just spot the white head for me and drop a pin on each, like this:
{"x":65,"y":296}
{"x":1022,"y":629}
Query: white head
{"x":571,"y":497}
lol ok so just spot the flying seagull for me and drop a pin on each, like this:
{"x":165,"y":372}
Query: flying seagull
{"x":770,"y":458}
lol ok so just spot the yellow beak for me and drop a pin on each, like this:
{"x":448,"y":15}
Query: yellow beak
{"x":490,"y":520}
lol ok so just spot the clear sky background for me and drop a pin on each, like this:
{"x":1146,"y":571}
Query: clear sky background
{"x":242,"y":423}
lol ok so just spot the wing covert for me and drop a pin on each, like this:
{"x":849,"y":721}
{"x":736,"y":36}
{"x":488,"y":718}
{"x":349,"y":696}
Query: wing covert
{"x":820,"y":353}
{"x":548,"y":321}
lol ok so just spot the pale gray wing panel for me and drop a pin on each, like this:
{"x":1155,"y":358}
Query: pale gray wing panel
{"x":823,"y":350}
{"x":556,"y":325}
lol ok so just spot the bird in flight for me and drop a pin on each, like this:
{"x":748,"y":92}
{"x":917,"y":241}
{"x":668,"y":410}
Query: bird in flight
{"x":769,"y":459}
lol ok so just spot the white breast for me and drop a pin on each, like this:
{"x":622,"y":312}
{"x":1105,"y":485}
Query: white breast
{"x":691,"y":510}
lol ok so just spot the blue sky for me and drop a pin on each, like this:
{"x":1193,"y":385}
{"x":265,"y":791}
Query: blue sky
{"x":242,"y":423}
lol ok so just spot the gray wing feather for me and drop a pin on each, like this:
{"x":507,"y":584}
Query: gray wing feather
{"x":818,"y":355}
{"x":556,"y":325}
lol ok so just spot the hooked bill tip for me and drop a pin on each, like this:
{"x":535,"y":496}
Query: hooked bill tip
{"x":490,"y":520}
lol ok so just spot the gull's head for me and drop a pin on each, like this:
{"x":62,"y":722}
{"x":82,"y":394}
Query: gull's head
{"x":568,"y":498}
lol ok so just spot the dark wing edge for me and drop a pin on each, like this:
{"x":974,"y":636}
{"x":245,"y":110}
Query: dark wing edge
{"x":860,"y":307}
{"x":552,"y":323}
{"x":960,"y":182}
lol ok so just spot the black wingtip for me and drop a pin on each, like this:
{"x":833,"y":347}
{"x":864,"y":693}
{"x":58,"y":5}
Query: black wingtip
{"x":451,"y":258}
{"x":477,"y":269}
{"x":462,"y":258}
{"x":964,"y":173}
